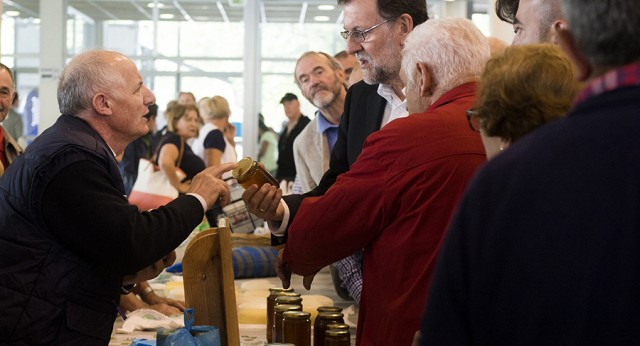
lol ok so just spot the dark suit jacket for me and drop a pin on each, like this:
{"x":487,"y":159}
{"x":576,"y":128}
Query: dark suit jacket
{"x":286,"y":163}
{"x":363,"y":112}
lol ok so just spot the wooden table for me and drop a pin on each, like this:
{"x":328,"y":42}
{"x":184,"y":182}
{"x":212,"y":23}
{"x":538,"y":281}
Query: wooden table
{"x":252,"y":334}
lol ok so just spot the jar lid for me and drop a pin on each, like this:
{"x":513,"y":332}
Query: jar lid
{"x":329,"y":309}
{"x":281,"y":290}
{"x":336,"y":332}
{"x":297,"y":314}
{"x":287,"y":294}
{"x":330,"y":315}
{"x":244,"y":166}
{"x":288,"y":300}
{"x":287,"y":307}
{"x":338,"y":326}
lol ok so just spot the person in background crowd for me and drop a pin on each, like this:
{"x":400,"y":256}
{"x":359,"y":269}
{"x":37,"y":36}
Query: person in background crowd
{"x":215,"y":144}
{"x":71,"y":242}
{"x":375,"y":31}
{"x":174,"y":151}
{"x":398,"y":197}
{"x":348,"y":62}
{"x":295,"y":124}
{"x":186,"y":98}
{"x":520,"y":90}
{"x":141,"y":148}
{"x":321,"y":81}
{"x":268,"y":143}
{"x":162,"y":133}
{"x":534,"y":21}
{"x":544,"y":246}
{"x":9,"y":148}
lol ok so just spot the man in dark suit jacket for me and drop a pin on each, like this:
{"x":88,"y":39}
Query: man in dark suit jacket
{"x":367,"y":105}
{"x":297,"y":123}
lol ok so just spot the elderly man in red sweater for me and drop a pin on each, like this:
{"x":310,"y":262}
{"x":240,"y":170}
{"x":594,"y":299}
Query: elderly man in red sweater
{"x":397,"y":199}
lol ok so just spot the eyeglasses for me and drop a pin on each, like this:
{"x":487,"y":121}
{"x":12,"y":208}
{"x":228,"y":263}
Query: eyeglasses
{"x":359,"y":36}
{"x":473,"y":117}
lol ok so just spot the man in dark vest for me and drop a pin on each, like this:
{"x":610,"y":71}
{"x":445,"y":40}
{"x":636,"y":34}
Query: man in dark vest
{"x":71,"y":242}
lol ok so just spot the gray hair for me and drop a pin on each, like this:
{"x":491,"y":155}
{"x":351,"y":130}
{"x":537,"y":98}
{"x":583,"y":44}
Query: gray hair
{"x":84,"y":76}
{"x":605,"y":31}
{"x":455,"y":50}
{"x":333,"y":62}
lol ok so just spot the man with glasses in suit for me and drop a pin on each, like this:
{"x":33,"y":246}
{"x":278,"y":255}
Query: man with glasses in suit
{"x":375,"y":31}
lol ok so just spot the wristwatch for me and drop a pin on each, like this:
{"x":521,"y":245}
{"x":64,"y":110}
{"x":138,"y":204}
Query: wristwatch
{"x":126,"y":289}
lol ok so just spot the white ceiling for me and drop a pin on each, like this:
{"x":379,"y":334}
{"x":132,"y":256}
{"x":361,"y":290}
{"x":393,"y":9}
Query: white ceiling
{"x":272,"y":11}
{"x":290,"y":11}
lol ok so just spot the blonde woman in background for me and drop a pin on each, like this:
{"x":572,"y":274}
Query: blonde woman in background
{"x":215,"y":144}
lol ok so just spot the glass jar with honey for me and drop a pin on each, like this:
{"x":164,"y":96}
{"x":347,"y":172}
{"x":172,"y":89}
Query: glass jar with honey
{"x":278,"y":319}
{"x":297,"y":328}
{"x":338,"y":326}
{"x":337,"y":337}
{"x":249,"y":172}
{"x":289,"y":299}
{"x":327,"y":309}
{"x":271,"y":302}
{"x":320,"y":325}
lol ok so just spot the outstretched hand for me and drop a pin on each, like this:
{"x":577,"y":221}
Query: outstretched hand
{"x":210,"y":186}
{"x":284,"y":273}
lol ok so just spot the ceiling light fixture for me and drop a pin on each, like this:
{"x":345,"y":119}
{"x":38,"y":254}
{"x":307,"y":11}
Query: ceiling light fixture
{"x":152,"y":5}
{"x":167,"y":16}
{"x":321,"y":18}
{"x":12,"y":13}
{"x":326,"y":7}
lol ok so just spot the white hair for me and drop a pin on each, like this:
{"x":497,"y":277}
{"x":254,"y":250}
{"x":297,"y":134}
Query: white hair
{"x":454,"y":50}
{"x":87,"y":74}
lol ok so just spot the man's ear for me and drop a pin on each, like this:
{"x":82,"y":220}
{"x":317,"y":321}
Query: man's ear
{"x":553,"y":30}
{"x":567,"y":43}
{"x":424,"y":81}
{"x":406,"y":25}
{"x":102,"y":104}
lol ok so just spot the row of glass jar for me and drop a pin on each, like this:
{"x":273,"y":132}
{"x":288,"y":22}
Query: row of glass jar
{"x":286,"y":322}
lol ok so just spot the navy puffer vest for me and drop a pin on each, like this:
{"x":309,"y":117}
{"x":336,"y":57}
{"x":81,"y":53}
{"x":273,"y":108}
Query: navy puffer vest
{"x":48,"y":295}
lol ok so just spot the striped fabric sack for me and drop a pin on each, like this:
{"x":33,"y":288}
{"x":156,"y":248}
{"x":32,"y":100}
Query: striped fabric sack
{"x":254,"y":262}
